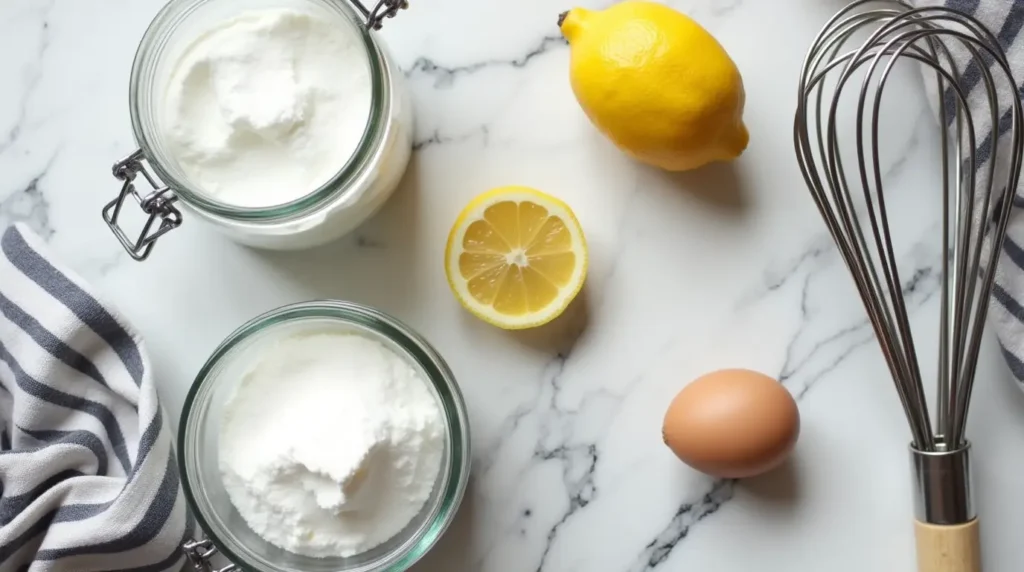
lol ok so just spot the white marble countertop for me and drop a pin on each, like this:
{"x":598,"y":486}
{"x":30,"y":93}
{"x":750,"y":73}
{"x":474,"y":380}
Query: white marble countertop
{"x":728,"y":266}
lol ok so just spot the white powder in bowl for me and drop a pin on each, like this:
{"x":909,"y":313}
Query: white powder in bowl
{"x":330,"y":445}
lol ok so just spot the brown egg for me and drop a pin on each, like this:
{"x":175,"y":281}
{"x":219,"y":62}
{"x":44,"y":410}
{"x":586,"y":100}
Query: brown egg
{"x":732,"y":423}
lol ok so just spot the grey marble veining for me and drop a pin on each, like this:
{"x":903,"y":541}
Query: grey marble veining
{"x":445,"y":76}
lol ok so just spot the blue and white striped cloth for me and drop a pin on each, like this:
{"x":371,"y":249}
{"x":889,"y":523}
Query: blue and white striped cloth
{"x":88,"y":478}
{"x":1005,"y":19}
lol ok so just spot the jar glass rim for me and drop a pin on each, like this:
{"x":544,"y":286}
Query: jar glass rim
{"x":147,"y":56}
{"x":417,"y":348}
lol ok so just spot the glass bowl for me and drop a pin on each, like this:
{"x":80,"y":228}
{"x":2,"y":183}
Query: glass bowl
{"x":199,"y":431}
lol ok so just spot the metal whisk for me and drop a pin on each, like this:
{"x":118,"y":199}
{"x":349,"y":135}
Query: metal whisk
{"x":977,"y":200}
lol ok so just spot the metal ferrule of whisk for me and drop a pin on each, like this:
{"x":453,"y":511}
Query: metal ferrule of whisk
{"x":856,"y":53}
{"x":943,"y":493}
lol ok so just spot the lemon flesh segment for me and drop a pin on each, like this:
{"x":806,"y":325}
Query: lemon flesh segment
{"x":473,"y":264}
{"x":481,"y":237}
{"x":540,"y":292}
{"x":484,"y":287}
{"x":556,"y":267}
{"x":516,"y":258}
{"x":552,"y":237}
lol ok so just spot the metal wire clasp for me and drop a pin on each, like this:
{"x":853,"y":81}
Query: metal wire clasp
{"x":158,"y":204}
{"x":383,"y":9}
{"x":198,"y":554}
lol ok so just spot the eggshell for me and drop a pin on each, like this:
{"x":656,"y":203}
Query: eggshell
{"x":732,"y":423}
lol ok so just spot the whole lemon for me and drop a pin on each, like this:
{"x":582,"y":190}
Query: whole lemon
{"x":656,"y":83}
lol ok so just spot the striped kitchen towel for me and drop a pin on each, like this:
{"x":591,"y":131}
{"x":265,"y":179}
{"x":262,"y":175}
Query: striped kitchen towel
{"x":1005,"y":19}
{"x":88,"y":478}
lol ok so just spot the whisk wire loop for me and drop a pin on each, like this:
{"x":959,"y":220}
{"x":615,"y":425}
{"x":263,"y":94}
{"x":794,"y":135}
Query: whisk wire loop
{"x":975,"y":208}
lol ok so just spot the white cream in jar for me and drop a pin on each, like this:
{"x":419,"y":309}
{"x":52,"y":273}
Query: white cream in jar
{"x":283,"y":124}
{"x":264,"y":108}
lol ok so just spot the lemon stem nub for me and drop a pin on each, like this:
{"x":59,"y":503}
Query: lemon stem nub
{"x":569,"y":22}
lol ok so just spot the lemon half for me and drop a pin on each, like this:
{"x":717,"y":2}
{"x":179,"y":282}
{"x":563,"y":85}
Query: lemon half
{"x":516,"y":257}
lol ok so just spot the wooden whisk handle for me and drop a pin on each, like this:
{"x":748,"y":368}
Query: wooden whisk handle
{"x":948,"y":548}
{"x":946,"y":525}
